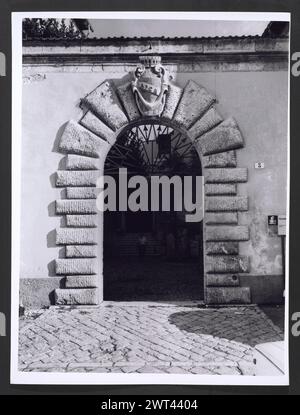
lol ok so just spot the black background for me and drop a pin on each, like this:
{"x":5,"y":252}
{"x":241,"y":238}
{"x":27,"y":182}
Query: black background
{"x":8,"y":6}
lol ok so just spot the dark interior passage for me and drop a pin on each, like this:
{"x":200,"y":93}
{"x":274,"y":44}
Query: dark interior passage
{"x":129,"y":279}
{"x":152,"y":256}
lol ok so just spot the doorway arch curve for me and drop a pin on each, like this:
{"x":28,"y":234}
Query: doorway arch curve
{"x":110,"y":108}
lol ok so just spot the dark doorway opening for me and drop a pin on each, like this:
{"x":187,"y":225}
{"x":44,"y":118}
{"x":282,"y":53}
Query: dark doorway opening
{"x":152,"y":255}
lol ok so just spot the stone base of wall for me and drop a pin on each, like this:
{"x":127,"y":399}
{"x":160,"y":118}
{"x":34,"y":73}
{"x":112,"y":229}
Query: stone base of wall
{"x":265,"y":289}
{"x":37,"y":293}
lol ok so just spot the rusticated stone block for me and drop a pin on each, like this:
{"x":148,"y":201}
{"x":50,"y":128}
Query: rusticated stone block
{"x":77,"y":178}
{"x":209,"y":120}
{"x":73,"y":296}
{"x":226,"y":159}
{"x":226,"y":175}
{"x":227,"y":233}
{"x":228,"y":295}
{"x":172,"y":99}
{"x":81,"y":251}
{"x":222,"y":280}
{"x":83,"y":206}
{"x":226,"y":203}
{"x":82,"y":192}
{"x":126,"y":97}
{"x":223,"y":248}
{"x":78,"y":140}
{"x":76,"y":266}
{"x":221,"y":218}
{"x":81,"y":221}
{"x":81,"y":281}
{"x":226,"y":136}
{"x":220,"y":189}
{"x":194,"y":102}
{"x":226,"y":264}
{"x":103,"y":101}
{"x":74,"y":162}
{"x":94,"y":124}
{"x":78,"y":236}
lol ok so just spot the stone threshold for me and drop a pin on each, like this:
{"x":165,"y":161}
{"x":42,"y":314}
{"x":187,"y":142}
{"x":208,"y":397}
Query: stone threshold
{"x":193,"y":303}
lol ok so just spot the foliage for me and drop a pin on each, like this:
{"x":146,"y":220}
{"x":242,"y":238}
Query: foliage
{"x":36,"y":29}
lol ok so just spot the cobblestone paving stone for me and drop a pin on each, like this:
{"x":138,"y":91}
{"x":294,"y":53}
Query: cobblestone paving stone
{"x":144,"y":338}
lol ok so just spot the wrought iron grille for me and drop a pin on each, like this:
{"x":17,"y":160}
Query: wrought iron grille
{"x":153,"y":149}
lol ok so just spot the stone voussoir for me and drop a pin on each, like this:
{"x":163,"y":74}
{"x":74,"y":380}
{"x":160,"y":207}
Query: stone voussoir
{"x":104,"y":103}
{"x":226,"y":175}
{"x":78,"y":221}
{"x":227,"y":264}
{"x":85,"y":266}
{"x":221,"y":218}
{"x":209,"y":120}
{"x":75,"y":162}
{"x":220,"y":189}
{"x":222,"y":280}
{"x":228,"y":295}
{"x":227,"y":233}
{"x":77,"y":178}
{"x":172,"y":99}
{"x":73,"y":296}
{"x":223,"y":248}
{"x":224,"y":137}
{"x":78,"y":140}
{"x":96,"y":126}
{"x":82,"y":192}
{"x":81,"y":251}
{"x":127,"y":98}
{"x":84,"y":206}
{"x":65,"y":236}
{"x":81,"y":281}
{"x":226,"y":203}
{"x":225,"y":159}
{"x":194,"y":102}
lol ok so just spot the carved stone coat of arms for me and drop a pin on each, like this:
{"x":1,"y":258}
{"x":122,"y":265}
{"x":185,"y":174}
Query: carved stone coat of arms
{"x":150,"y":86}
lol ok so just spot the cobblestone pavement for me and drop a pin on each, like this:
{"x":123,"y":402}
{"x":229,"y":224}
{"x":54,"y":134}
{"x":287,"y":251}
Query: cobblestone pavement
{"x":143,"y":338}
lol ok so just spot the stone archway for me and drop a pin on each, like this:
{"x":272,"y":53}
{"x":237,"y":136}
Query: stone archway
{"x":109,"y":108}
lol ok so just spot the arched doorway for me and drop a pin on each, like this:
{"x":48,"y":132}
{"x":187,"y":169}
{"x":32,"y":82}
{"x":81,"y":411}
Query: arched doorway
{"x":109,"y":111}
{"x":153,"y":254}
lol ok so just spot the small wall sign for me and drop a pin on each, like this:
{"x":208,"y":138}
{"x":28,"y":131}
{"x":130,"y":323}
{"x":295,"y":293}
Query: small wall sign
{"x":281,"y":225}
{"x":272,"y":220}
{"x":259,"y":165}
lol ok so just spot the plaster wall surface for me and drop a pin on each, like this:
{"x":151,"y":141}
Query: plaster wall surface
{"x":259,"y":103}
{"x":257,"y":100}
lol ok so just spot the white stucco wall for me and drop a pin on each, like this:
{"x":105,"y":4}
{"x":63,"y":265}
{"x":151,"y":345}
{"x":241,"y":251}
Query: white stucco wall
{"x":257,"y":100}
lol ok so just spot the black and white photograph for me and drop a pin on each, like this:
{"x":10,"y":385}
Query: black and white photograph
{"x":150,"y":198}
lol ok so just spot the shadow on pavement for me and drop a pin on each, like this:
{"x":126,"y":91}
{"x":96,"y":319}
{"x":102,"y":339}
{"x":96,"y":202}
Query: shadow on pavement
{"x":247,"y":325}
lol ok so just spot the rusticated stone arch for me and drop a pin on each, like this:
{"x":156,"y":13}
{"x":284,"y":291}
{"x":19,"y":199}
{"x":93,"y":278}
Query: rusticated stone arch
{"x":110,"y":108}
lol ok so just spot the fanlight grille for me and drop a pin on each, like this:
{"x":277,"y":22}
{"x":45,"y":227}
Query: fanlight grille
{"x":153,"y":149}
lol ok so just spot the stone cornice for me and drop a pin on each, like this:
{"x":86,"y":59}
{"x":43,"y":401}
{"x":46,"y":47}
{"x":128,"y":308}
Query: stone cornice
{"x":233,"y":49}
